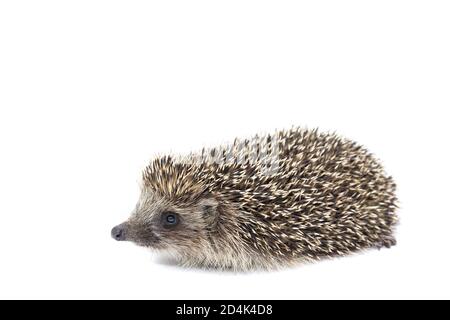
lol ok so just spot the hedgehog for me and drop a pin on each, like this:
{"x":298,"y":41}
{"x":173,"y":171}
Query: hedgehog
{"x":266,"y":202}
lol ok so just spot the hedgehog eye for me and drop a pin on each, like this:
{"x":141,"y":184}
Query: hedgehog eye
{"x":169,"y":219}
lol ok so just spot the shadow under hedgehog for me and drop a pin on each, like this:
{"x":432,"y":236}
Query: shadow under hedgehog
{"x":264,"y":203}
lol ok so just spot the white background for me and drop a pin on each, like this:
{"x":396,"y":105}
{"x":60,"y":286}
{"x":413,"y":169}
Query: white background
{"x":91,"y":90}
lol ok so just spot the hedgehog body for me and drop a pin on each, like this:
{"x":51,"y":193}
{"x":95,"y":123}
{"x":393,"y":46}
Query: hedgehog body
{"x":265,"y":202}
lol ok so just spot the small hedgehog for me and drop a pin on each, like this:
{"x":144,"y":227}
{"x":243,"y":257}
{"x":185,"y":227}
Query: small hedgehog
{"x":264,"y":203}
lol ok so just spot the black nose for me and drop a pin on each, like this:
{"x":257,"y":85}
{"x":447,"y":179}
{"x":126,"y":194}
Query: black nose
{"x":118,"y":233}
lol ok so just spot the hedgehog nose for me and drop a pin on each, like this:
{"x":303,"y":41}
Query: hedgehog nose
{"x":118,"y":232}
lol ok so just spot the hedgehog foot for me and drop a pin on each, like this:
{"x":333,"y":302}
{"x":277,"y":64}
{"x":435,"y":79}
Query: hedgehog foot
{"x":386,"y":243}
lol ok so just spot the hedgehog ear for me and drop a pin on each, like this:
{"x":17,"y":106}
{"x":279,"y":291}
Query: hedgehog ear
{"x":209,"y":205}
{"x":209,"y":209}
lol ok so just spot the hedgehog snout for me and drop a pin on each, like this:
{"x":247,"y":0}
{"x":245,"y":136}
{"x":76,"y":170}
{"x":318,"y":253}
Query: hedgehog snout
{"x":119,"y":232}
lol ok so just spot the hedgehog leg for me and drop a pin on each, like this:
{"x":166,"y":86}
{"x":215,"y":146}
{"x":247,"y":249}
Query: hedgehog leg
{"x":386,"y":242}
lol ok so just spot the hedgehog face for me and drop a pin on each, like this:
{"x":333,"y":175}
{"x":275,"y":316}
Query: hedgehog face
{"x":160,"y":223}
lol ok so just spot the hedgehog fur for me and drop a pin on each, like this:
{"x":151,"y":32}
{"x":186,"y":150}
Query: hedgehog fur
{"x":263,"y":203}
